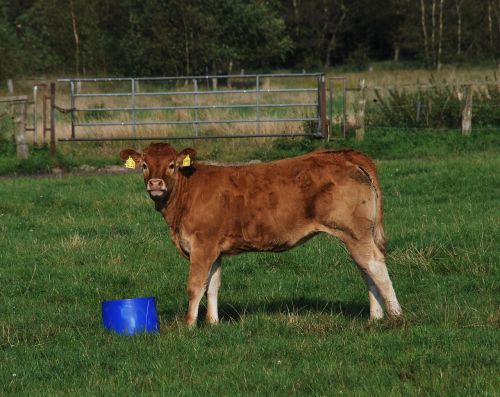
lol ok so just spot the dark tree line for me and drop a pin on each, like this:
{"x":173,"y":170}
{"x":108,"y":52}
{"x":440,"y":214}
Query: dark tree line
{"x":171,"y":37}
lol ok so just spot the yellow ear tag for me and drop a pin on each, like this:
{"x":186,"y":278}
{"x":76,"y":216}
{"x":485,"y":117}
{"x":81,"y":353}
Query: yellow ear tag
{"x":130,"y":163}
{"x":187,"y":161}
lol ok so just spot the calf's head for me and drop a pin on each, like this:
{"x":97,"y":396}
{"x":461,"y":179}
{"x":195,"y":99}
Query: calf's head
{"x":162,"y":167}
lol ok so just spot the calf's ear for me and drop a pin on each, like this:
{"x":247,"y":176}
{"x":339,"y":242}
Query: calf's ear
{"x":127,"y":154}
{"x":185,"y":158}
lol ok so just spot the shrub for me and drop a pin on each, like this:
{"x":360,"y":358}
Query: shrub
{"x":435,"y":107}
{"x":7,"y":145}
{"x":486,"y":106}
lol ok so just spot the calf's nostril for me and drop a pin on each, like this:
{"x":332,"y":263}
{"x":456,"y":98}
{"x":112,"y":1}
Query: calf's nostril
{"x":156,"y":184}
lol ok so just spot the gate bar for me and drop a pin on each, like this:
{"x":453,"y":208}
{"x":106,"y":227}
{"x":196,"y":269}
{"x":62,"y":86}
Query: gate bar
{"x":214,"y":76}
{"x":218,"y":92}
{"x":124,"y":123}
{"x":265,"y":105}
{"x":165,"y":138}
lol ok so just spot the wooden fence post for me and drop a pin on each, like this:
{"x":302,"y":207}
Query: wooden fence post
{"x":360,"y":114}
{"x":322,"y":107}
{"x":20,"y":120}
{"x":52,"y":147}
{"x":467,"y":110}
{"x":10,"y":86}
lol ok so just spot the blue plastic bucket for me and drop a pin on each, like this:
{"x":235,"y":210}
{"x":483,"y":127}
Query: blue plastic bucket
{"x":130,"y":316}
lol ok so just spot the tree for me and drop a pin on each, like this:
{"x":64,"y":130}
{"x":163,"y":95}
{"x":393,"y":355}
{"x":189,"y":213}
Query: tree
{"x":167,"y":37}
{"x":9,"y":48}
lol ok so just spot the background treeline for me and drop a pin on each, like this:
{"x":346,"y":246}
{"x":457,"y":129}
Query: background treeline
{"x":171,"y":37}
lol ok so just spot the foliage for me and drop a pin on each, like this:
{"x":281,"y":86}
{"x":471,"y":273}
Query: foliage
{"x":292,"y":323}
{"x":485,"y":103}
{"x":167,"y":37}
{"x":6,"y":133}
{"x":435,"y":107}
{"x":8,"y":46}
{"x":144,"y":38}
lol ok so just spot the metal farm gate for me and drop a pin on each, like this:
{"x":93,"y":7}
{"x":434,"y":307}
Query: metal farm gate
{"x":197,"y":107}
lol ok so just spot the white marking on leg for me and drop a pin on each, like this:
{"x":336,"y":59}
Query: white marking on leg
{"x":212,"y":292}
{"x":376,"y":300}
{"x":194,"y":304}
{"x":377,"y":270}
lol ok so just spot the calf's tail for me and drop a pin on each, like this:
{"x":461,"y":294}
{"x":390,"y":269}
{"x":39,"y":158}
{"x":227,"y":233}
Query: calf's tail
{"x":369,"y":169}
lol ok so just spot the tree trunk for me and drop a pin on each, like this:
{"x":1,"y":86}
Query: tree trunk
{"x":433,"y":32}
{"x":77,"y":39}
{"x":458,"y":5}
{"x":490,"y":26}
{"x":396,"y":53}
{"x":440,"y":40}
{"x":186,"y":45}
{"x":324,"y":30}
{"x":424,"y":31}
{"x":497,"y":15}
{"x":296,"y":16}
{"x":331,"y":42}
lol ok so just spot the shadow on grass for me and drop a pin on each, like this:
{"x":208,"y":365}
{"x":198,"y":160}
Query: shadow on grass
{"x":235,"y":312}
{"x":299,"y":306}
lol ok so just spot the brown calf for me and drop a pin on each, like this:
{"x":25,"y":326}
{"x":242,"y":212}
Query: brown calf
{"x":214,"y":211}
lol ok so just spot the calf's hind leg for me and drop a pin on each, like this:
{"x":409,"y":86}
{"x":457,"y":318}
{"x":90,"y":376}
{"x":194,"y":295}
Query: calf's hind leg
{"x":371,"y":262}
{"x":376,"y":300}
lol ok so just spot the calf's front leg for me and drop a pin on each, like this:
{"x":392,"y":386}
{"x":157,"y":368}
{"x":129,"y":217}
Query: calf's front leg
{"x":200,"y":277}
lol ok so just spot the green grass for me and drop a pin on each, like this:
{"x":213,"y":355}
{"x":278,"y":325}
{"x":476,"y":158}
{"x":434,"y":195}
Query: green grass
{"x":380,"y":143}
{"x":292,"y":323}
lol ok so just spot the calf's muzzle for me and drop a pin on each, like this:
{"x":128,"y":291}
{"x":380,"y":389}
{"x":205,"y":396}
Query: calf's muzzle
{"x":156,"y":187}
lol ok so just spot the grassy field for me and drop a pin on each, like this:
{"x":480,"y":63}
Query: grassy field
{"x":292,"y":323}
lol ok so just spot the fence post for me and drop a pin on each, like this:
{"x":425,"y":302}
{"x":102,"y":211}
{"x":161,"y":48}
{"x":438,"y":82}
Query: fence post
{"x":322,"y":107}
{"x":360,"y":114}
{"x":344,"y":107}
{"x":330,"y":108}
{"x":196,"y":126}
{"x":35,"y":111}
{"x":467,"y":111}
{"x":52,"y":146}
{"x":72,"y":98}
{"x":257,"y":100}
{"x":418,"y":111}
{"x":134,"y":119}
{"x":10,"y":86}
{"x":20,"y":119}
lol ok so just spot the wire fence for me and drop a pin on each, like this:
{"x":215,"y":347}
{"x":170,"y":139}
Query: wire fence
{"x":464,"y":107}
{"x":202,"y":107}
